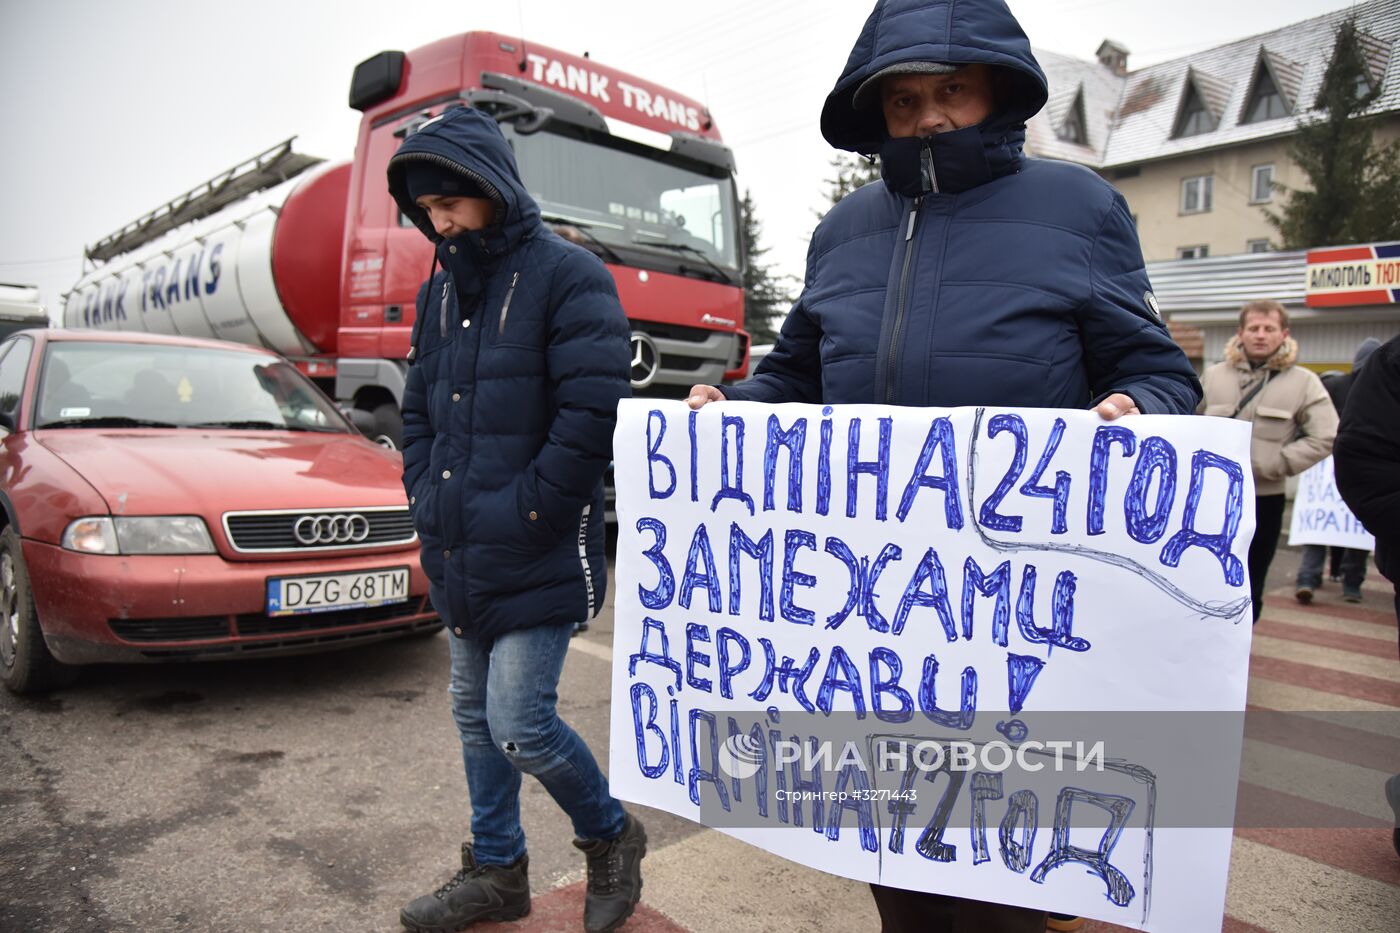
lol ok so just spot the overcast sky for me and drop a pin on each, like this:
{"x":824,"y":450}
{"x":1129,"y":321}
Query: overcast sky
{"x":112,"y":108}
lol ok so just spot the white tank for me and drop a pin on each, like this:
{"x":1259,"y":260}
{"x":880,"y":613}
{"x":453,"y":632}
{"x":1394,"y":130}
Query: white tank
{"x":218,"y":277}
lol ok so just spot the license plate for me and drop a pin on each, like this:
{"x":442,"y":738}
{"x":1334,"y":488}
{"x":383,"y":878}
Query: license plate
{"x":327,"y":592}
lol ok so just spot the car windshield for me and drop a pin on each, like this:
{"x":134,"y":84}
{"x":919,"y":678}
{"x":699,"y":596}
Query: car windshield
{"x":135,"y":385}
{"x":632,"y":200}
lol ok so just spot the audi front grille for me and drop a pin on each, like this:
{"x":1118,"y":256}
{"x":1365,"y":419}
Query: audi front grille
{"x":308,"y":531}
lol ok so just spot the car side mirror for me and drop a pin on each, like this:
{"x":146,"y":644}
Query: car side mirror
{"x":7,"y":421}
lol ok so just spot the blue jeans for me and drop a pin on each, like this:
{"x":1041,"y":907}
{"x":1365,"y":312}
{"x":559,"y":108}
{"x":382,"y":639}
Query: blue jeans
{"x":1353,"y":567}
{"x":503,"y":699}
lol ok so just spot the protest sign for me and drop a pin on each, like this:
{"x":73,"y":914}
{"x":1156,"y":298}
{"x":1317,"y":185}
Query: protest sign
{"x":994,"y":653}
{"x":1321,"y":517}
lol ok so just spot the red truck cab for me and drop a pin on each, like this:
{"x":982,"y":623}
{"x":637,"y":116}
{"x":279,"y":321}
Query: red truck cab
{"x":631,"y":171}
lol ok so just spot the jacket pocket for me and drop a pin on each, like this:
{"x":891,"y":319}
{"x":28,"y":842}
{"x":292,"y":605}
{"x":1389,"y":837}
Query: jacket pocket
{"x":503,"y":517}
{"x":540,"y":533}
{"x":505,"y":305}
{"x":1224,"y":410}
{"x":1274,"y":424}
{"x":422,"y":506}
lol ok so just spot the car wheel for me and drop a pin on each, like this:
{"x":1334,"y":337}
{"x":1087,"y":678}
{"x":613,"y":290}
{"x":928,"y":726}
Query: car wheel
{"x":388,"y":426}
{"x":25,"y":663}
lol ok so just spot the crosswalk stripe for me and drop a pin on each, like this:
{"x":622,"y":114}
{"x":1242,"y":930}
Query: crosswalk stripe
{"x":1349,"y":740}
{"x":1379,"y":669}
{"x":1293,"y":882}
{"x":1308,"y":635}
{"x":1326,"y":679}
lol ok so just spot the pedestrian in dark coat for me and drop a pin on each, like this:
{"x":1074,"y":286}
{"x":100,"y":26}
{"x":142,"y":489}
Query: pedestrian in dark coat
{"x":1367,"y":459}
{"x":973,"y":276}
{"x":519,"y":359}
{"x":1347,"y":562}
{"x":1367,"y":456}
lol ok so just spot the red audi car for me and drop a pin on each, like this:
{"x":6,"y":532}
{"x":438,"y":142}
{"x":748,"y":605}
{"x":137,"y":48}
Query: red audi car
{"x":165,"y":498}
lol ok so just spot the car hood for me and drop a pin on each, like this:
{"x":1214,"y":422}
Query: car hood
{"x":211,"y":472}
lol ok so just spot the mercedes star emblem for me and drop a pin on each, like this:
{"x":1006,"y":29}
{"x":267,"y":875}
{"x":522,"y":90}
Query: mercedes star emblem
{"x":646,"y":360}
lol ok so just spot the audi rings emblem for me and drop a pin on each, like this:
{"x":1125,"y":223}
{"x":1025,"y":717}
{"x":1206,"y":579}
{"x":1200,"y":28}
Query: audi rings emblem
{"x":646,"y":360}
{"x":313,"y":530}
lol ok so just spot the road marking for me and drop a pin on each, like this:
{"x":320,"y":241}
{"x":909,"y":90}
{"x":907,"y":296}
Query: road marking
{"x":592,"y":649}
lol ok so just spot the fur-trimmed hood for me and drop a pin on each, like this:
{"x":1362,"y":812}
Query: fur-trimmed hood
{"x":1285,"y":356}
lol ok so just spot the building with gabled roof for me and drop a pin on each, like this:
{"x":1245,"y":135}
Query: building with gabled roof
{"x":1197,"y":145}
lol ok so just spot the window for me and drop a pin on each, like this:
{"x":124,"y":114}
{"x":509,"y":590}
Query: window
{"x":1073,"y":130}
{"x":1192,"y":252}
{"x":1196,"y":194}
{"x":179,"y":386}
{"x":1261,"y":185}
{"x":1363,"y":85}
{"x":1257,"y":246}
{"x":1265,"y":103}
{"x":14,"y":366}
{"x":646,"y":206}
{"x":1195,"y":117}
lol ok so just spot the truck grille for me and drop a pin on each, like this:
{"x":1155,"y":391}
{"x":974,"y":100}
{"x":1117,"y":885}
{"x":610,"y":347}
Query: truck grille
{"x":688,"y":355}
{"x":306,"y":531}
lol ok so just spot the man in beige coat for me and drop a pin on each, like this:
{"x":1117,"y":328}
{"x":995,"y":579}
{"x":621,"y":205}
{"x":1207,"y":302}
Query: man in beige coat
{"x":1294,"y":421}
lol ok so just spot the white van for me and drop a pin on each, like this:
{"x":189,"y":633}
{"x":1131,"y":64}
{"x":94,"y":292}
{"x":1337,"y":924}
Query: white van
{"x":20,"y":308}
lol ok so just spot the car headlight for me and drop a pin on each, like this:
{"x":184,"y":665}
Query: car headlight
{"x":91,"y":536}
{"x":166,"y":534}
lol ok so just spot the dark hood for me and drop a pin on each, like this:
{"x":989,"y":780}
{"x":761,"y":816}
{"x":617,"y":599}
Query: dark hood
{"x":952,"y":31}
{"x":470,"y":142}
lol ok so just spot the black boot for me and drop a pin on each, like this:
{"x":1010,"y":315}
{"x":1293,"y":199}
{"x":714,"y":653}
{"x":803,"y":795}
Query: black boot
{"x":614,"y":876}
{"x":476,"y":892}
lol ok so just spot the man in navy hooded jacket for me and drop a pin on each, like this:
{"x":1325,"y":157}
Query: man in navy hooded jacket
{"x":519,"y":359}
{"x":973,"y":276}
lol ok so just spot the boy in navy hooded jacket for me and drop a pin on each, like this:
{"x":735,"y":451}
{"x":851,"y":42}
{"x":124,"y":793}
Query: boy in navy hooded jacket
{"x":520,"y":355}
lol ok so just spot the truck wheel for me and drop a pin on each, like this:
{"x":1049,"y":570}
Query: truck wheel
{"x":388,"y":426}
{"x":25,"y":663}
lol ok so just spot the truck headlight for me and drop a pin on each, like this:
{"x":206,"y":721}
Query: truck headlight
{"x":166,"y":534}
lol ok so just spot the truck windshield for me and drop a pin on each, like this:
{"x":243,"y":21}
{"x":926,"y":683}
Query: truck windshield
{"x":104,"y":384}
{"x":632,"y":200}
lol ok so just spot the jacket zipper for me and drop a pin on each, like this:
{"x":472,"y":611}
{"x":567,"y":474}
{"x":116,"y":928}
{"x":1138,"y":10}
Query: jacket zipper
{"x":930,"y":177}
{"x":442,"y":310}
{"x":505,"y":308}
{"x":903,"y":296}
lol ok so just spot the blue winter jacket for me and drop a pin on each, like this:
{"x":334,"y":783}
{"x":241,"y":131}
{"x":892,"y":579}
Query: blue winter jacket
{"x":519,"y":359}
{"x":1003,"y":280}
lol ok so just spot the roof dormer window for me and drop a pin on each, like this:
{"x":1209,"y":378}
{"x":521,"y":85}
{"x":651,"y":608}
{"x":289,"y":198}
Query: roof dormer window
{"x":1266,"y":100}
{"x":1195,"y":117}
{"x":1072,"y":128}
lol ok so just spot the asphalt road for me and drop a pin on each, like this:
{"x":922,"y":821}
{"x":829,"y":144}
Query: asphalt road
{"x":307,"y":793}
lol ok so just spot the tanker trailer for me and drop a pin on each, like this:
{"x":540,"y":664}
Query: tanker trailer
{"x":251,"y":256}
